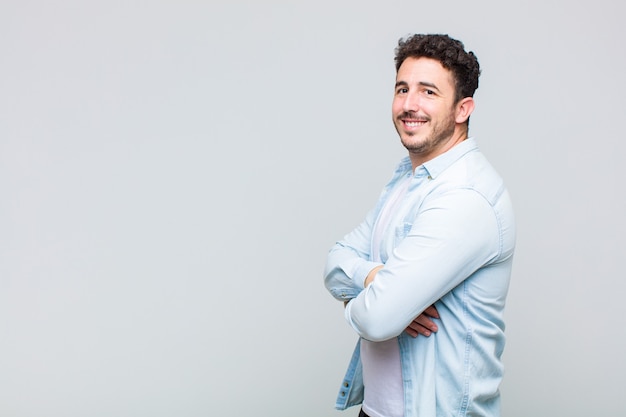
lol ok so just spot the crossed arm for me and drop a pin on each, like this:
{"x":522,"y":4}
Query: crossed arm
{"x":422,"y":324}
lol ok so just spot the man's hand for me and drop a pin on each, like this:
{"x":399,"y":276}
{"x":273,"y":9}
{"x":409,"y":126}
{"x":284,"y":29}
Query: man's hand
{"x":423,"y":324}
{"x":371,"y":275}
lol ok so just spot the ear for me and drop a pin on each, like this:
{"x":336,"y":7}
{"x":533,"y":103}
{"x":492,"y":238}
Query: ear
{"x":464,"y":108}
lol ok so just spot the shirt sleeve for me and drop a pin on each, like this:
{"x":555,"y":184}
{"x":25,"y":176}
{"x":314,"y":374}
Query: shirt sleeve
{"x":348,"y":264}
{"x":452,"y":236}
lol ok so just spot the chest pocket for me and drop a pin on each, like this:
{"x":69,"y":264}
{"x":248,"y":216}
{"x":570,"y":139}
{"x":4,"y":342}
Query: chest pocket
{"x":401,"y":232}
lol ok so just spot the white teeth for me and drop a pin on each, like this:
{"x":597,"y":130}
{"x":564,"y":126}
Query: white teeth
{"x":414,"y":124}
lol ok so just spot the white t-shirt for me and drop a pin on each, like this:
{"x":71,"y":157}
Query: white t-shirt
{"x":382,"y":370}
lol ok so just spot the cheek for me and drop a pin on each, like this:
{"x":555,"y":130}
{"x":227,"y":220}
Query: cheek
{"x":397,"y":107}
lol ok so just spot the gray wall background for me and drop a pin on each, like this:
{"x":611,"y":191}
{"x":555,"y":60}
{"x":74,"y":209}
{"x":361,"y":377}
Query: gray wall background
{"x":172,"y":174}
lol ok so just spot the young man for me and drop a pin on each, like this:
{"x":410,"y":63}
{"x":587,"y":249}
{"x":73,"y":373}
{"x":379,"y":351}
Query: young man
{"x":433,"y":257}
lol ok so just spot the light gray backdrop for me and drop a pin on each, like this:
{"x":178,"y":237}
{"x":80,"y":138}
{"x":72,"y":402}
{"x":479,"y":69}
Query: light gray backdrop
{"x":172,"y":174}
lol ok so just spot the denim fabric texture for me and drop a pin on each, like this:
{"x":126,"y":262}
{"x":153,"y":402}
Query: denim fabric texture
{"x":451,"y":243}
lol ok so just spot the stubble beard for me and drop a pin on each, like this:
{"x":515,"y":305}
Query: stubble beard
{"x":439,"y":134}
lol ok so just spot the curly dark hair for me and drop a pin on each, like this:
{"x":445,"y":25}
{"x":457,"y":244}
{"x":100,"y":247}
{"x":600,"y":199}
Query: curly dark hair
{"x":449,"y":52}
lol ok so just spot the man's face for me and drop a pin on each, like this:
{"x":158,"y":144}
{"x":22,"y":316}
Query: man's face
{"x":423,"y":106}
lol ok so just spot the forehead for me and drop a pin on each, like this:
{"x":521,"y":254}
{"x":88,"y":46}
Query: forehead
{"x":424,"y":70}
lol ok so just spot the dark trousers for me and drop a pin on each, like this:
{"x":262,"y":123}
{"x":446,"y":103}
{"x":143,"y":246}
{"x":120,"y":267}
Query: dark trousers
{"x":362,"y":413}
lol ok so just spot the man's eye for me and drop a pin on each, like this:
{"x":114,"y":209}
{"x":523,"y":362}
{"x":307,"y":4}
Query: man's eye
{"x":403,"y":90}
{"x":429,"y":92}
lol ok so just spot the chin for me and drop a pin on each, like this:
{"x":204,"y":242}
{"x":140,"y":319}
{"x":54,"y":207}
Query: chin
{"x":411,"y":142}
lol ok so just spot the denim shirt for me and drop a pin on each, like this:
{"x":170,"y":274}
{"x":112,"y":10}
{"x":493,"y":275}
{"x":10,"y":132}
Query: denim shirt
{"x":450,"y":243}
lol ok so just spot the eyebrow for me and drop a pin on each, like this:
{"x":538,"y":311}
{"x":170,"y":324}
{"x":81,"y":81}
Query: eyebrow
{"x":421,"y":83}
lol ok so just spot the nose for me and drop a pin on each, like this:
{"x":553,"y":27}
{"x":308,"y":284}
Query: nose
{"x":411,"y":102}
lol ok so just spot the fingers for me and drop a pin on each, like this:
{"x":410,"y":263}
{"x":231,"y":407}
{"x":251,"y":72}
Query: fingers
{"x":415,"y":330}
{"x":431,"y":312}
{"x":371,"y":275}
{"x":423,"y":325}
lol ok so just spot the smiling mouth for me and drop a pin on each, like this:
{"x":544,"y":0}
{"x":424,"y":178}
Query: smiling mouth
{"x":414,"y":123}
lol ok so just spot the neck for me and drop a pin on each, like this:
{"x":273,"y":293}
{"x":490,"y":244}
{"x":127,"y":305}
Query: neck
{"x":419,"y":158}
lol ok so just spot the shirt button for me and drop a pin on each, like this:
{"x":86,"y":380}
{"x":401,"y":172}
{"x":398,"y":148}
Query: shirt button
{"x":345,"y":384}
{"x":343,"y":393}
